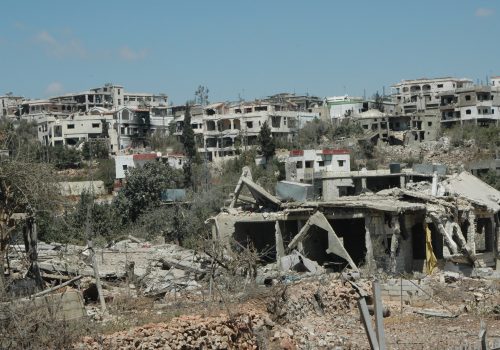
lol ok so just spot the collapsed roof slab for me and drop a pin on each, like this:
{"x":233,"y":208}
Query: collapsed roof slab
{"x":473,"y":189}
{"x":335,"y":246}
{"x":364,"y":202}
{"x":261,"y":196}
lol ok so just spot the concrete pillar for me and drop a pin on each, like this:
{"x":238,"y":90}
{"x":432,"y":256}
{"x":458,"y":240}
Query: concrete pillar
{"x":232,"y":123}
{"x":363,"y":183}
{"x":280,"y":249}
{"x":396,"y":235}
{"x":494,"y":234}
{"x":471,"y":231}
{"x":402,"y":181}
{"x":300,"y":246}
{"x":497,"y":236}
{"x":370,"y":262}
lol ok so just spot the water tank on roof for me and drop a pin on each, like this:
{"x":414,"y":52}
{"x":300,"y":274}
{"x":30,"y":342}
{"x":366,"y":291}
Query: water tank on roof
{"x":394,"y":168}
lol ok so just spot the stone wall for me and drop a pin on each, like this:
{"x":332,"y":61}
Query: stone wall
{"x":394,"y":288}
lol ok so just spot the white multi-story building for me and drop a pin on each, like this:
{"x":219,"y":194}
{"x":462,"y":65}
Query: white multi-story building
{"x":10,"y":105}
{"x":305,"y":165}
{"x":422,"y":95}
{"x":341,"y":107}
{"x":224,"y":129}
{"x":239,"y":126}
{"x":344,"y":106}
{"x":131,"y":117}
{"x":476,"y":104}
{"x":72,"y":130}
{"x":125,"y":162}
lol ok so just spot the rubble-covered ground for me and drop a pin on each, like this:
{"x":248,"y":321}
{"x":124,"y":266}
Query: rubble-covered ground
{"x":432,"y":152}
{"x":315,"y":312}
{"x":172,"y":298}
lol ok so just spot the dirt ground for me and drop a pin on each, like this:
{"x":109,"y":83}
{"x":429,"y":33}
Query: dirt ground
{"x":312,"y":313}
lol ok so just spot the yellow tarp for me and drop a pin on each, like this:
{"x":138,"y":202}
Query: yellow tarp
{"x":430,"y":258}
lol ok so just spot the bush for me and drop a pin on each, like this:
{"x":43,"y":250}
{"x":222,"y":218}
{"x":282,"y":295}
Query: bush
{"x":70,"y":227}
{"x":484,"y":137}
{"x":313,"y":132}
{"x":33,"y":325}
{"x":64,"y":157}
{"x":491,"y":178}
{"x":181,"y":223}
{"x":106,"y":173}
{"x":143,"y":188}
{"x":95,"y":149}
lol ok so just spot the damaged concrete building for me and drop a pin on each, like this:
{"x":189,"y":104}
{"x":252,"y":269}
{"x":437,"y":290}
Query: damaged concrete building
{"x":396,"y":229}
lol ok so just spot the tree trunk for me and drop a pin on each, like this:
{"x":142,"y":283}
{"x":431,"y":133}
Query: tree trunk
{"x":3,"y":252}
{"x":30,"y":245}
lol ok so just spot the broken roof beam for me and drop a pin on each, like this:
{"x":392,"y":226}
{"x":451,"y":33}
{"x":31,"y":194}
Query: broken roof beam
{"x":447,"y":238}
{"x":450,"y":230}
{"x":245,"y":173}
{"x":335,"y":246}
{"x":380,"y":203}
{"x":261,"y":195}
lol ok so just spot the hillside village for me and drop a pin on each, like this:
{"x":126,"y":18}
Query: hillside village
{"x":262,"y":224}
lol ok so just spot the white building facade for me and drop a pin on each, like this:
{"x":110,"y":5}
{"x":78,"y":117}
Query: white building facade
{"x":422,"y":95}
{"x":305,"y":165}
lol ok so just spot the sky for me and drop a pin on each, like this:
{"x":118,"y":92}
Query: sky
{"x":248,"y":49}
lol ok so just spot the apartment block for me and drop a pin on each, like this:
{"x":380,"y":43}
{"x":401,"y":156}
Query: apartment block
{"x":223,"y":129}
{"x":398,"y":129}
{"x":422,"y":95}
{"x":479,"y":105}
{"x":306,"y":165}
{"x":9,"y":104}
{"x":72,"y":130}
{"x":341,"y":107}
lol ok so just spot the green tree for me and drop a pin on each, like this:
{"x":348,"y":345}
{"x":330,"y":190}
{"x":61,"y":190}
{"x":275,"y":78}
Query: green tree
{"x":143,"y":188}
{"x":140,"y":138}
{"x":188,"y":135}
{"x":189,"y":143}
{"x":379,"y":101}
{"x":106,"y":173}
{"x":25,"y":188}
{"x":95,"y":149}
{"x":491,"y":178}
{"x":313,"y":132}
{"x":267,"y":145}
{"x":20,"y":139}
{"x":201,"y":95}
{"x":64,"y":157}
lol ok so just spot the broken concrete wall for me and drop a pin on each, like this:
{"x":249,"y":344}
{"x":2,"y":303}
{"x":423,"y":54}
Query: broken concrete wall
{"x":392,"y":244}
{"x":357,"y":231}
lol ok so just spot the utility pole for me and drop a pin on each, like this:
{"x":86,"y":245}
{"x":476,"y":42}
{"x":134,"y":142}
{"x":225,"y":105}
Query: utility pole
{"x":88,"y":231}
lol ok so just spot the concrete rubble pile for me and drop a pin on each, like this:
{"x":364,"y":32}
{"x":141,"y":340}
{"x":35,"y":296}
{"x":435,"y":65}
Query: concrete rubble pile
{"x":154,"y":269}
{"x":186,"y":332}
{"x":440,"y":151}
{"x":318,"y":313}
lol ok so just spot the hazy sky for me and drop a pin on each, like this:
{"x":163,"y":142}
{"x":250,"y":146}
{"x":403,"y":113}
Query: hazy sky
{"x":248,"y":48}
